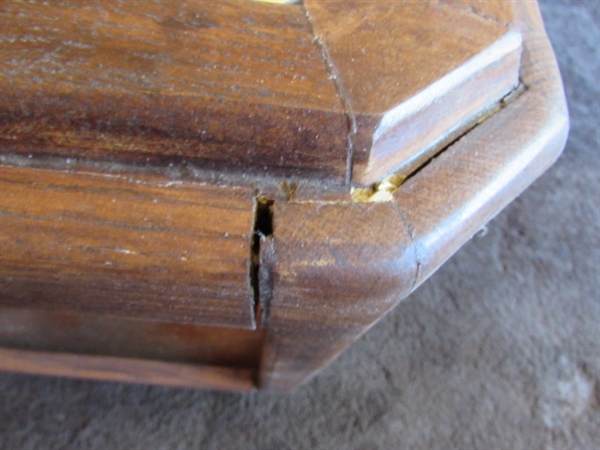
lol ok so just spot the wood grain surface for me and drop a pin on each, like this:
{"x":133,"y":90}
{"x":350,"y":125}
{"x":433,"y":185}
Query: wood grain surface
{"x":325,"y":294}
{"x":334,"y":270}
{"x":317,"y":267}
{"x":229,"y":84}
{"x":413,"y":75}
{"x":108,"y":245}
{"x":449,"y":201}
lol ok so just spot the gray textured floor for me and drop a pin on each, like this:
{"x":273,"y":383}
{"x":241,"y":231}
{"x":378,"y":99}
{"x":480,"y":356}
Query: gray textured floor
{"x":499,"y":350}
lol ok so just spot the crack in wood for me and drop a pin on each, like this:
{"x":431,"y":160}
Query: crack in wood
{"x":263,"y":229}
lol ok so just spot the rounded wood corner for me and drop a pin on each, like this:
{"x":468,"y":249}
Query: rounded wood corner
{"x":317,"y":309}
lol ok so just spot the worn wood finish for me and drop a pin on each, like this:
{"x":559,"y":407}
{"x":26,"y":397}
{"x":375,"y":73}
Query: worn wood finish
{"x":109,"y":245}
{"x":401,"y":115}
{"x":397,"y":245}
{"x":92,"y":334}
{"x":313,"y":90}
{"x":126,"y":370}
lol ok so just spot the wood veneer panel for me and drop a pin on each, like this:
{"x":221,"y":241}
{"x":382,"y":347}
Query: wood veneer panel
{"x":229,"y":84}
{"x":112,"y":245}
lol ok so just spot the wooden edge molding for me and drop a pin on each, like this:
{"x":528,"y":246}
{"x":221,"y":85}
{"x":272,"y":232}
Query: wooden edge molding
{"x":325,"y":294}
{"x":411,"y":133}
{"x":126,"y":370}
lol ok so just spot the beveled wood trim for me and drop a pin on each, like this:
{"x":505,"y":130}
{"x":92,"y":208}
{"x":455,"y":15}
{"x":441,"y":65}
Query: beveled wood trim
{"x":465,"y":187}
{"x":126,"y":370}
{"x":413,"y":75}
{"x":215,"y":84}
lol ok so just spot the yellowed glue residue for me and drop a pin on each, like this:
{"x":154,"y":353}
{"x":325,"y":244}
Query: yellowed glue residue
{"x":379,"y":192}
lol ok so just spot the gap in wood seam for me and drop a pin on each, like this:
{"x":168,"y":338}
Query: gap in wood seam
{"x":500,"y":105}
{"x":382,"y":191}
{"x":263,"y":228}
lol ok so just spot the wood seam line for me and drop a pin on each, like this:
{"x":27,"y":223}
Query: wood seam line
{"x":342,"y":94}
